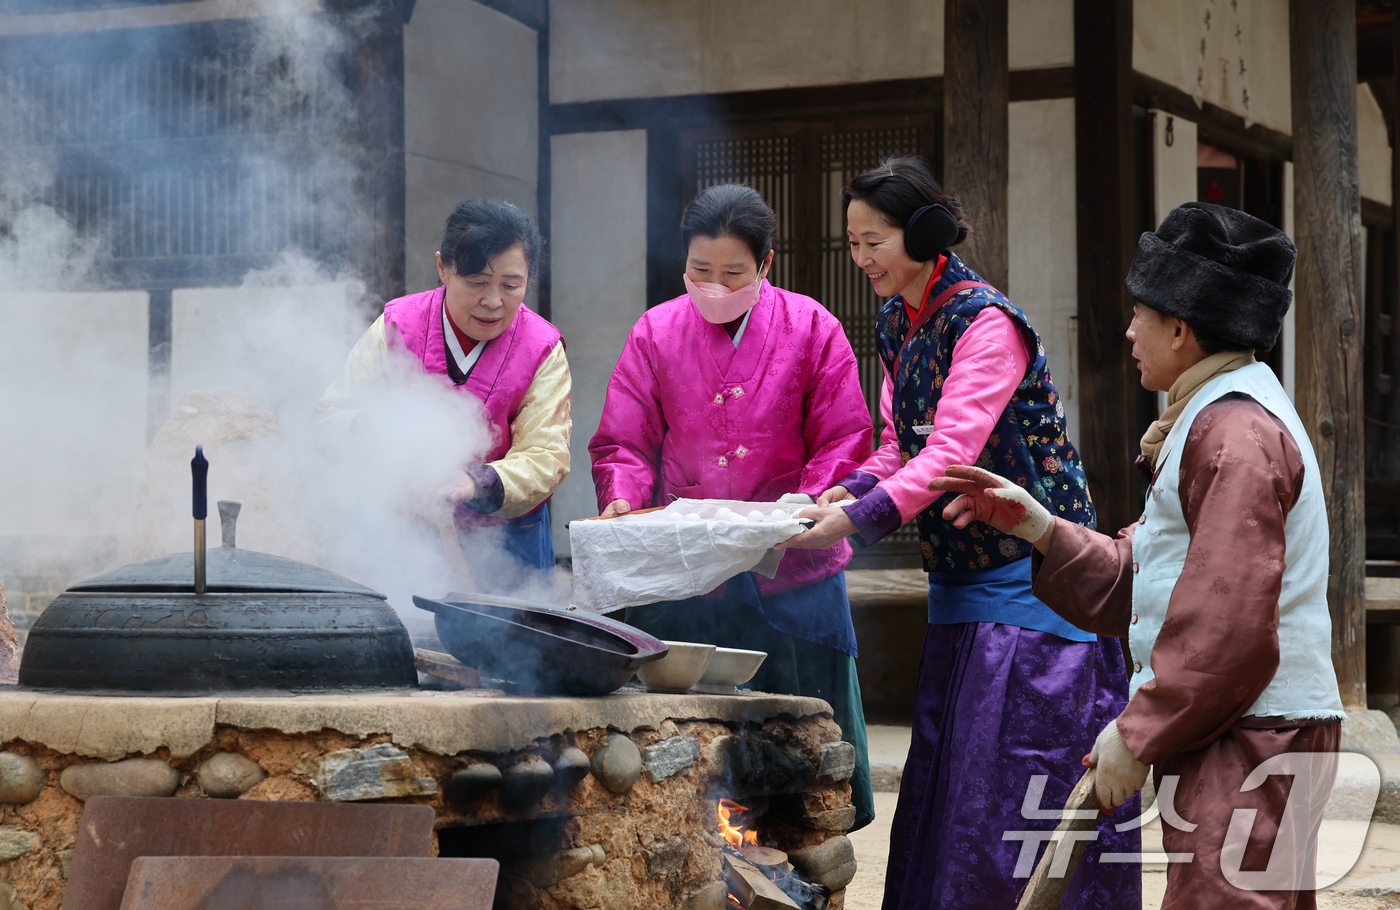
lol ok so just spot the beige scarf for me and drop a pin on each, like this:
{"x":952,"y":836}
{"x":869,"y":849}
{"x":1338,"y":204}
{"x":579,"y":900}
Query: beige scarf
{"x":1184,"y":389}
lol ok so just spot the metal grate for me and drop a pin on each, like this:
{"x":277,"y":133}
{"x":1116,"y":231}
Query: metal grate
{"x":256,"y":209}
{"x":183,"y":150}
{"x":162,"y":98}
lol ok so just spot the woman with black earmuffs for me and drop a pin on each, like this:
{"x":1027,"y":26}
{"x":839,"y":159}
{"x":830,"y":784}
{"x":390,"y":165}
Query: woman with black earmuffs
{"x":1010,"y":696}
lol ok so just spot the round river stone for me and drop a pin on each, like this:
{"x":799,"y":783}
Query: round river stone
{"x":21,"y":778}
{"x":473,"y":781}
{"x":130,"y":777}
{"x":618,"y":763}
{"x":228,"y":775}
{"x":526,"y":783}
{"x":571,"y":767}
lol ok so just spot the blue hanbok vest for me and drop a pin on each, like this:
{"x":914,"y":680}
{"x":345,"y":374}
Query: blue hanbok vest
{"x":1028,"y":445}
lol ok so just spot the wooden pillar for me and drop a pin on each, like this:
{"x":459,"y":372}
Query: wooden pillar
{"x":1327,"y":228}
{"x":158,"y":339}
{"x":1103,"y":148}
{"x":374,"y":77}
{"x":543,"y":181}
{"x":975,"y":95}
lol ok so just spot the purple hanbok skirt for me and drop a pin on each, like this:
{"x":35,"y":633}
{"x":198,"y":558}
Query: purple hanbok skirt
{"x":996,"y":705}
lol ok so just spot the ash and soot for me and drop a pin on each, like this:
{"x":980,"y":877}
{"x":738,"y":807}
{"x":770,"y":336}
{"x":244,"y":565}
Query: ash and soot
{"x":122,"y":371}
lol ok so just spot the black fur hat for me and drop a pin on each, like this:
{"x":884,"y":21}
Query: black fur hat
{"x":1223,"y":272}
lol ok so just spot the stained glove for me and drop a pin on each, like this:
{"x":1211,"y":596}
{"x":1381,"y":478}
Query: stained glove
{"x":992,"y":499}
{"x":1120,"y":773}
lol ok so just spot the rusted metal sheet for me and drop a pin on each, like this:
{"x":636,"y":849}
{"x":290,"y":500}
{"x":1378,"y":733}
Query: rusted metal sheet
{"x":309,"y":883}
{"x":115,"y":830}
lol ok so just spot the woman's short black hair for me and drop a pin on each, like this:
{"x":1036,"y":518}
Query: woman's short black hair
{"x":734,"y":210}
{"x":899,"y":187}
{"x":479,"y":230}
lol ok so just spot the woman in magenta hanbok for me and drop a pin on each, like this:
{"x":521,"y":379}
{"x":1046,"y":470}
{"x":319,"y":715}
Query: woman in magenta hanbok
{"x":475,"y":334}
{"x":740,"y":390}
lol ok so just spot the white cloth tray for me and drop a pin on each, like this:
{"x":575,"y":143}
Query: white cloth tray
{"x":663,"y":555}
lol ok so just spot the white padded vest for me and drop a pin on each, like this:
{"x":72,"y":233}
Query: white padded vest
{"x":1305,"y":684}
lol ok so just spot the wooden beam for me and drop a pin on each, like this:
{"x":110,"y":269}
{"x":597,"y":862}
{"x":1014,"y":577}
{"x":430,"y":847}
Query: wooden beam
{"x":544,"y":168}
{"x":1376,"y":214}
{"x":158,"y":340}
{"x":531,"y":13}
{"x":891,"y":96}
{"x":1214,"y":124}
{"x":1042,"y":84}
{"x":976,"y":90}
{"x":666,"y":200}
{"x":1327,"y":220}
{"x":1108,"y":431}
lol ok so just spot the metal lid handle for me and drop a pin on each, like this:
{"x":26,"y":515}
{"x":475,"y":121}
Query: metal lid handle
{"x":228,"y":520}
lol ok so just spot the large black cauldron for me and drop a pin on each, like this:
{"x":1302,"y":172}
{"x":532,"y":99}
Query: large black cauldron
{"x":263,"y":622}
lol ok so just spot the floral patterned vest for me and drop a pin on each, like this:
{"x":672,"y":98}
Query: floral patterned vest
{"x":1028,"y":445}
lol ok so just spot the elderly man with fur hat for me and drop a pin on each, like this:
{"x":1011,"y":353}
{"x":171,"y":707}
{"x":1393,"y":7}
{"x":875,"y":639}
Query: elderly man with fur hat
{"x":1220,"y":586}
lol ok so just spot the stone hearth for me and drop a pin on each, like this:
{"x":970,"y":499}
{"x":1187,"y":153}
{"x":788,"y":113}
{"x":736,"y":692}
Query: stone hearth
{"x":588,"y":802}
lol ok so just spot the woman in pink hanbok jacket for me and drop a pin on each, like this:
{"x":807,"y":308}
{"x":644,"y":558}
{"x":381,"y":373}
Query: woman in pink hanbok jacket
{"x":476,"y":334}
{"x":740,"y":390}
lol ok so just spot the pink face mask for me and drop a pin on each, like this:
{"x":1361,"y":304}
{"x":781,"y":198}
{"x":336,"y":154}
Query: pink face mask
{"x":718,"y":304}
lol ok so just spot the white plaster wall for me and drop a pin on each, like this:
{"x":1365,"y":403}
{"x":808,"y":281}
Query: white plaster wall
{"x":471,"y":119}
{"x":1168,"y":38}
{"x":1373,"y":152}
{"x":72,"y":411}
{"x":282,"y":345}
{"x":598,"y":202}
{"x":1041,"y":228}
{"x":1173,"y":166}
{"x":1040,"y":33}
{"x":624,"y":49}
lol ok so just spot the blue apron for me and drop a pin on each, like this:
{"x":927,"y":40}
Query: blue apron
{"x":1002,"y":594}
{"x":529,"y":540}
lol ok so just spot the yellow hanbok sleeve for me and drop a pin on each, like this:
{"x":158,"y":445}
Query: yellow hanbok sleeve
{"x":538,"y":459}
{"x":367,"y":364}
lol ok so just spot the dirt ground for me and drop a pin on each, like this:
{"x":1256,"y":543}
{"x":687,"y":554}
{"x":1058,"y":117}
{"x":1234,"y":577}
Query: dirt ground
{"x":1379,"y":858}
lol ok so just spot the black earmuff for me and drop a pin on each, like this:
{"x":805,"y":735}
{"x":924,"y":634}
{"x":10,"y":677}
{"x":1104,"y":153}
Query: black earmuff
{"x":930,"y":231}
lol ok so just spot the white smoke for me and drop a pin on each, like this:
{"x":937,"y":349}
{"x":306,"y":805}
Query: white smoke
{"x":76,"y":479}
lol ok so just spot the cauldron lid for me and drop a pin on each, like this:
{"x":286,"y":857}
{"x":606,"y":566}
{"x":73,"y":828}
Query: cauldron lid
{"x":229,"y":570}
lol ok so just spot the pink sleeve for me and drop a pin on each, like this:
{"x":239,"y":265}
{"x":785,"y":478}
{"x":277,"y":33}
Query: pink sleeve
{"x":835,"y":420}
{"x":626,"y":450}
{"x":989,"y":362}
{"x":885,"y":460}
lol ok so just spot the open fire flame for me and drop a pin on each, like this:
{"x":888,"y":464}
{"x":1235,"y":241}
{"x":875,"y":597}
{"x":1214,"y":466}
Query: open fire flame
{"x":737,"y":835}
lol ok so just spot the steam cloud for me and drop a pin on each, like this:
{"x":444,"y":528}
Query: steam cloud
{"x":79,"y":490}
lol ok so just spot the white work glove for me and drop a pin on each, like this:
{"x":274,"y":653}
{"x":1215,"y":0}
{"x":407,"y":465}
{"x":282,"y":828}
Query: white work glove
{"x":1120,"y":773}
{"x":800,"y":499}
{"x":992,"y":499}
